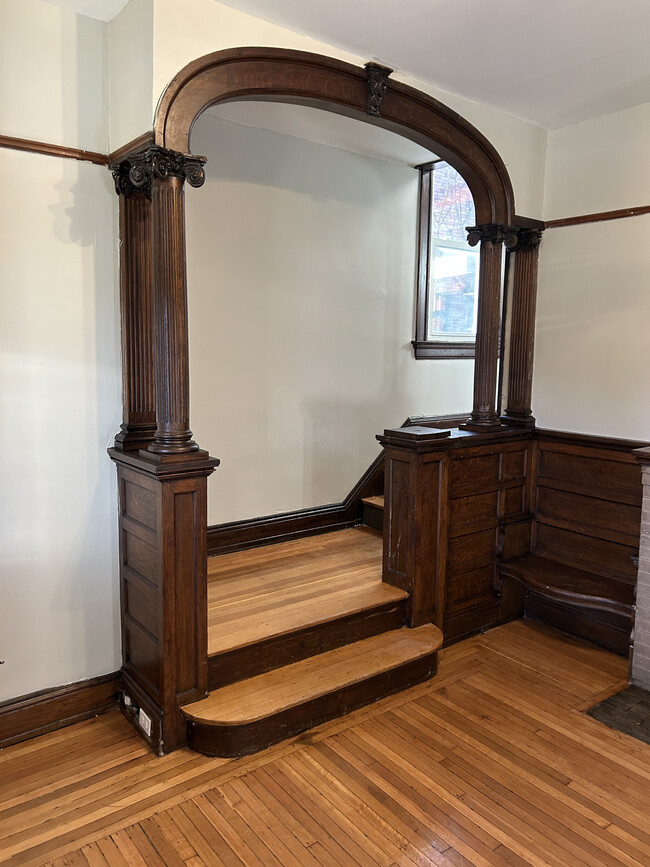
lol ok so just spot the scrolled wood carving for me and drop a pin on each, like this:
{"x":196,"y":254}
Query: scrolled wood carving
{"x":377,"y":84}
{"x":137,"y":173}
{"x":496,"y":233}
{"x":528,"y":239}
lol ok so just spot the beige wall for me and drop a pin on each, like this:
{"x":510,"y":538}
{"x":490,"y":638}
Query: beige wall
{"x":594,"y":304}
{"x":301,"y":268}
{"x":59,"y":345}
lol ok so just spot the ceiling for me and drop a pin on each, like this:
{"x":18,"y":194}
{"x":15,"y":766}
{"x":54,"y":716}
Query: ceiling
{"x":554,"y":62}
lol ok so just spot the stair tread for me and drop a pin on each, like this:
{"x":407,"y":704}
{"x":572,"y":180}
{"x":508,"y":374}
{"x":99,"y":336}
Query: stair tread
{"x":301,"y":615}
{"x":283,"y":688}
{"x":378,"y":502}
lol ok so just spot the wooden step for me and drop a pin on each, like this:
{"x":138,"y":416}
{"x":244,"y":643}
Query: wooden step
{"x":250,"y":715}
{"x":276,"y":605}
{"x":373,"y":512}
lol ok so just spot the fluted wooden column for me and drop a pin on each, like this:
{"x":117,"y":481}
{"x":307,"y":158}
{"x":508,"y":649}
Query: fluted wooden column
{"x":136,"y":305}
{"x":491,"y":237}
{"x":522,"y":330}
{"x":167,"y":171}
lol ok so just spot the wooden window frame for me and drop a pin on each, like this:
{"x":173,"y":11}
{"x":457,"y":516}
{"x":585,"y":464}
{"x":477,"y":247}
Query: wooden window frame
{"x":422,"y":347}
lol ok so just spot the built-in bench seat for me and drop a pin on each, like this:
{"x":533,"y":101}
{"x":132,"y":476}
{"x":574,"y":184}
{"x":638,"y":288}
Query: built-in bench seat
{"x":556,"y":581}
{"x":579,"y":569}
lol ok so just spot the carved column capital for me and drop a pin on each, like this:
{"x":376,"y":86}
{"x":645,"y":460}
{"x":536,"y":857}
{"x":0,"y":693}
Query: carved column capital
{"x":495,"y":233}
{"x":136,"y":174}
{"x":528,"y":239}
{"x":377,"y":84}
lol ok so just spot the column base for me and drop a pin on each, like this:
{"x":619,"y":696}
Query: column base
{"x":515,"y":420}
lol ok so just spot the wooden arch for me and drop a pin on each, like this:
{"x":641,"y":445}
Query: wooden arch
{"x":162,"y":473}
{"x":311,"y":79}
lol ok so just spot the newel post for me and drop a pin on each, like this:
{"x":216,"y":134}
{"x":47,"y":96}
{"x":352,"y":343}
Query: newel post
{"x":491,"y":236}
{"x":522,"y":330}
{"x":162,"y":477}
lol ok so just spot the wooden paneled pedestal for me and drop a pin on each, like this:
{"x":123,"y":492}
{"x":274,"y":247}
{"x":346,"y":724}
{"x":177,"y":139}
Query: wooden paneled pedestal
{"x":163,"y":585}
{"x":453,"y":504}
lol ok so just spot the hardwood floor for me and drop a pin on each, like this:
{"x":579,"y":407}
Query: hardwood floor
{"x":492,"y":762}
{"x":275,"y":590}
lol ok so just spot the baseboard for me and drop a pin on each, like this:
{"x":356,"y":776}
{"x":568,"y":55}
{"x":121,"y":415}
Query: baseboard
{"x":39,"y":712}
{"x":271,"y":529}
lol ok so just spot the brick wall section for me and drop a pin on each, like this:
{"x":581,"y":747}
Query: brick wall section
{"x":640,"y":674}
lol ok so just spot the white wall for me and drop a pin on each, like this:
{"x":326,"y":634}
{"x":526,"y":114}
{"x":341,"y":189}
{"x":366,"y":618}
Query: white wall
{"x":592,"y":342}
{"x":59,"y":374}
{"x":131,"y":72}
{"x":301,"y":271}
{"x":52,"y":82}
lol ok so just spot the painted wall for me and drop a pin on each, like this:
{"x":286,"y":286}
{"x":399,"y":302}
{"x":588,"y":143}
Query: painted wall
{"x":301,"y":268}
{"x":594,"y":306}
{"x":52,"y":75}
{"x":59,"y":371}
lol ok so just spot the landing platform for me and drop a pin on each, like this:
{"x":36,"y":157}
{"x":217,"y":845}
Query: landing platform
{"x":280,"y":589}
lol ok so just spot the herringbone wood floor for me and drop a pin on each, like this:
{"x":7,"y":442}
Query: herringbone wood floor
{"x":491,"y":763}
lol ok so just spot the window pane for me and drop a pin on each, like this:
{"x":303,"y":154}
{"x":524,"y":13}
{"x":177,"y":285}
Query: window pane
{"x":453,"y":299}
{"x":453,"y":207}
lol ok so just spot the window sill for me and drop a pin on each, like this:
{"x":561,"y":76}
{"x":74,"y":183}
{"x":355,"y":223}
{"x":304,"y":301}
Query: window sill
{"x":428,"y":349}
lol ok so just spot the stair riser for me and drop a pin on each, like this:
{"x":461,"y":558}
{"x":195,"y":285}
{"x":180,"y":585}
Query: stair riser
{"x":233,"y":741}
{"x":245,"y":662}
{"x":373,"y":516}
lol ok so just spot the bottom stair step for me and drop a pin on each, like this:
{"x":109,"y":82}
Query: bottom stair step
{"x":253,"y":714}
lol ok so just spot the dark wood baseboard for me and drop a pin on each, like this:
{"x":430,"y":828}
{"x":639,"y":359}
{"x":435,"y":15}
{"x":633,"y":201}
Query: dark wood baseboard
{"x":610,"y":631}
{"x":271,"y":529}
{"x":40,"y":712}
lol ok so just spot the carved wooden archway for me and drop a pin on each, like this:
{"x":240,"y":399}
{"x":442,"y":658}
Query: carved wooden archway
{"x":162,"y":472}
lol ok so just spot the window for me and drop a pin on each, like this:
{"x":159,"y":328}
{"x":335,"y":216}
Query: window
{"x":448,"y":268}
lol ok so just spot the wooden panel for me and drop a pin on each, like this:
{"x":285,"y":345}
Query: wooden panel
{"x":142,"y":654}
{"x":469,"y":588}
{"x":512,"y":501}
{"x":476,"y":549}
{"x":514,"y":463}
{"x":399,"y":496}
{"x":584,"y":552}
{"x":141,"y":604}
{"x":140,"y":557}
{"x":616,"y":522}
{"x":186,"y":600}
{"x":474,"y":472}
{"x":140,"y":504}
{"x":592,"y":474}
{"x":473,"y":512}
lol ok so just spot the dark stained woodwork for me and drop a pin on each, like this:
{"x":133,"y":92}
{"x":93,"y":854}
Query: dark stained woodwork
{"x":598,"y":217}
{"x":31,"y":715}
{"x":52,"y":150}
{"x":312,"y":79}
{"x":136,"y":305}
{"x":173,"y":434}
{"x":579,"y":571}
{"x":449,"y":504}
{"x":137,"y":145}
{"x":491,"y":238}
{"x":522,"y":329}
{"x":239,"y":664}
{"x":163,"y":580}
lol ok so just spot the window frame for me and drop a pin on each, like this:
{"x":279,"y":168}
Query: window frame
{"x":422,"y":346}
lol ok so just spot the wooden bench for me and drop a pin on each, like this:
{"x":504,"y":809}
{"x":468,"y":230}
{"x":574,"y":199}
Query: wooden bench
{"x":580,"y":572}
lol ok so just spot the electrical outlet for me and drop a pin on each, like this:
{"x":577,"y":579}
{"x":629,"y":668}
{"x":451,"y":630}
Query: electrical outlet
{"x":144,"y":722}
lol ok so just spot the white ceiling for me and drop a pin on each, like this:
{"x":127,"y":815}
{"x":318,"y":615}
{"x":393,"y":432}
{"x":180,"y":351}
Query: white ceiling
{"x":554,"y":62}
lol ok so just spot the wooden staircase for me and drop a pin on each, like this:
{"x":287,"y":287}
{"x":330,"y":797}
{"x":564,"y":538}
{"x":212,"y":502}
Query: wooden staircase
{"x":299,"y":633}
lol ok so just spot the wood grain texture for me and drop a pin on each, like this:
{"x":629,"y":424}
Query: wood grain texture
{"x":598,"y":217}
{"x":52,"y":150}
{"x":269,"y":592}
{"x":493,"y":762}
{"x":49,"y":709}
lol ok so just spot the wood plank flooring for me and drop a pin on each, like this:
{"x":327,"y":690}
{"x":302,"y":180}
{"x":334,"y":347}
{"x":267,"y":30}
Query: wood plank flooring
{"x":492,"y":762}
{"x":275,"y":590}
